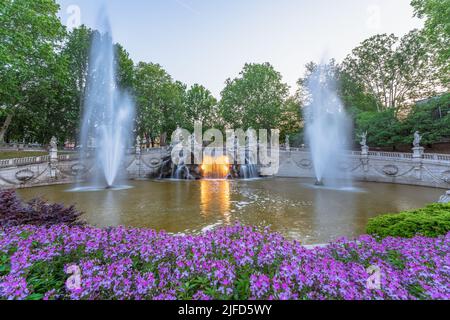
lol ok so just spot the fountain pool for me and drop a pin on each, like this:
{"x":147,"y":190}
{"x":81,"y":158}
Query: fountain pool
{"x":293,"y":207}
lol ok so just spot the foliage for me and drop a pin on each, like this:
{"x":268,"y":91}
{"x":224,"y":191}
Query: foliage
{"x":124,"y":68}
{"x":200,"y":105}
{"x":13,"y":212}
{"x":233,"y":262}
{"x":291,"y":120}
{"x":30,"y":34}
{"x":437,"y":28}
{"x":382,"y":127}
{"x":431,"y":118}
{"x":254,"y":99}
{"x":431,"y":221}
{"x":395,"y":71}
{"x":160,"y":101}
{"x":352,"y":94}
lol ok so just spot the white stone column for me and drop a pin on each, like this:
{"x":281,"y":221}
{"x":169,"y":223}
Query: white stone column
{"x":138,"y":156}
{"x":365,"y":157}
{"x":138,"y":148}
{"x":53,"y":153}
{"x":417,"y":160}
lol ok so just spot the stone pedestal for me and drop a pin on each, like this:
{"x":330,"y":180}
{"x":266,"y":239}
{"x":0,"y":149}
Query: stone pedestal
{"x":53,"y":153}
{"x":364,"y":150}
{"x":417,"y":159}
{"x":418,"y":152}
{"x":138,"y":156}
{"x":365,"y":158}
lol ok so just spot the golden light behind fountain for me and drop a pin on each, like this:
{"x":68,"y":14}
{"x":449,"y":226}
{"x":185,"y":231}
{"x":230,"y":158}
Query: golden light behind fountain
{"x":215,"y":167}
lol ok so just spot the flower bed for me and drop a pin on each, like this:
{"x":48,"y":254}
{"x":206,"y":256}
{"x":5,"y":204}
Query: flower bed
{"x":234,"y":262}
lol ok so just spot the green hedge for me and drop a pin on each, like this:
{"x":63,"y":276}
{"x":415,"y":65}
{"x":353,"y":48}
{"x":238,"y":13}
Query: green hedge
{"x":431,"y":221}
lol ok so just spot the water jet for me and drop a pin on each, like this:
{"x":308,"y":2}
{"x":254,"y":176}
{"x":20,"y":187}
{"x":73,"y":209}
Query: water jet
{"x":108,"y":111}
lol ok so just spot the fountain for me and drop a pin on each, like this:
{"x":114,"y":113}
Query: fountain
{"x":108,"y":111}
{"x":327,"y":127}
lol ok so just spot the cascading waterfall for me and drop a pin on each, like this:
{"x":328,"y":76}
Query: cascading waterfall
{"x":327,"y":127}
{"x":108,"y":111}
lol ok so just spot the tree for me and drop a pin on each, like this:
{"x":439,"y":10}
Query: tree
{"x":437,"y":28}
{"x":76,"y":54}
{"x":200,"y":106}
{"x":124,"y":68}
{"x":396,"y":72}
{"x":431,"y":118}
{"x":352,"y":94}
{"x":382,"y":127}
{"x":159,"y":101}
{"x":30,"y":35}
{"x":254,"y":99}
{"x":291,"y":119}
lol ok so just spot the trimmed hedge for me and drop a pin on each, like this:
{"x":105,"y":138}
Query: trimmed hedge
{"x":431,"y":221}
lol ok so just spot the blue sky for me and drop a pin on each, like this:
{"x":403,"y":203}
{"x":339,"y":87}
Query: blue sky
{"x":208,"y":41}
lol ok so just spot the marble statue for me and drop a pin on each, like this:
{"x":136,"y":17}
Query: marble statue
{"x":363,"y":137}
{"x":417,"y":139}
{"x":53,"y":143}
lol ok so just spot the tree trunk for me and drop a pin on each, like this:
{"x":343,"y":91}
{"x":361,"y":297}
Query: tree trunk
{"x":5,"y":127}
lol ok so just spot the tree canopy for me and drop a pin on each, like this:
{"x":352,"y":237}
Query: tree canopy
{"x":254,"y":99}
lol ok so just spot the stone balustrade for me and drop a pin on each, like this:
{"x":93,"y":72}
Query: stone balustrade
{"x":431,"y":170}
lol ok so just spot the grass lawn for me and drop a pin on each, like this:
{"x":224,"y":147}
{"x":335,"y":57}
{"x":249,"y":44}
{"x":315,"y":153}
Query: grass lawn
{"x":25,"y":154}
{"x":20,"y":154}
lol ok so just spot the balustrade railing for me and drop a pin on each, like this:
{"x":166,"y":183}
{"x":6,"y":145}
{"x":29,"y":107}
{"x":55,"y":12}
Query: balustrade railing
{"x":391,"y":155}
{"x":373,"y":154}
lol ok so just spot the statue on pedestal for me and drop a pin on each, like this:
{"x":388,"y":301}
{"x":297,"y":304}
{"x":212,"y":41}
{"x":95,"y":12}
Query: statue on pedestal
{"x":53,"y":143}
{"x":53,"y":157}
{"x":138,"y":145}
{"x":363,"y":141}
{"x":417,"y":139}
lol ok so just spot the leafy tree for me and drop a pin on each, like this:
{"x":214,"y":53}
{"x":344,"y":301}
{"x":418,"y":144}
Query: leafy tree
{"x":254,"y":99}
{"x":76,"y":54}
{"x":395,"y":71}
{"x":159,"y":101}
{"x":30,"y":34}
{"x":291,"y":119}
{"x":124,"y":68}
{"x":437,"y":28}
{"x":48,"y":110}
{"x":382,"y":127}
{"x":352,"y":94}
{"x":200,"y":106}
{"x":431,"y":118}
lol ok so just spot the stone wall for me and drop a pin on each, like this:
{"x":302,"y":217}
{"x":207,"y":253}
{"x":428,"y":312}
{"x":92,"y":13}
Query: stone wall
{"x":54,"y":169}
{"x":431,"y":170}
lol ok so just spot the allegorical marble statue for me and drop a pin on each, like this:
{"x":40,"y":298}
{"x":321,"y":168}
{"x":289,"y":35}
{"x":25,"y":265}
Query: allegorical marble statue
{"x":53,"y":143}
{"x":363,"y":137}
{"x":417,"y":139}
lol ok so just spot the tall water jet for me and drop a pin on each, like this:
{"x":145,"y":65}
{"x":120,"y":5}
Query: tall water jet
{"x":108,"y":110}
{"x":327,"y":127}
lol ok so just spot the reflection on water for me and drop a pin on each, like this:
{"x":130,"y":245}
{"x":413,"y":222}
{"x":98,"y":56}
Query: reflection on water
{"x":215,"y":197}
{"x":289,"y":206}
